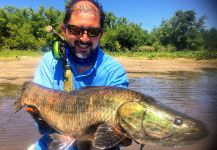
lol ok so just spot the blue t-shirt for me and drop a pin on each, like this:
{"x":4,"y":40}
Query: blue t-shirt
{"x":105,"y":72}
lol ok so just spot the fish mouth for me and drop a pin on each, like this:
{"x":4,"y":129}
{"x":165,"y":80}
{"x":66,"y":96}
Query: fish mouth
{"x":185,"y":138}
{"x":191,"y":134}
{"x":31,"y":109}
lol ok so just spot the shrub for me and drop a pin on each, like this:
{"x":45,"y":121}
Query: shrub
{"x":144,"y":49}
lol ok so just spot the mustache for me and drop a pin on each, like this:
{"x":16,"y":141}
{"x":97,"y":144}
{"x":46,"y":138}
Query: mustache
{"x":77,"y":42}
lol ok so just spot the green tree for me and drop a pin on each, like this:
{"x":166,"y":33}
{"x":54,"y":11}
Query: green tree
{"x":110,"y":20}
{"x":24,"y":28}
{"x":183,"y":30}
{"x":120,"y":34}
{"x":210,"y":39}
{"x":15,"y":20}
{"x":131,"y":35}
{"x":3,"y":26}
{"x":109,"y":40}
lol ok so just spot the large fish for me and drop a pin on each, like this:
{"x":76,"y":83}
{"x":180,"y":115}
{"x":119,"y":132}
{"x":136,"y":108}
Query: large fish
{"x":106,"y":115}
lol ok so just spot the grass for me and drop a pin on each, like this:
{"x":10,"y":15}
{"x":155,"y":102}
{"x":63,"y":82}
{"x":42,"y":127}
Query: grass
{"x":198,"y":55}
{"x":5,"y":53}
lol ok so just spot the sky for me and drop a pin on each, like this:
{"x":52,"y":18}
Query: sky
{"x":147,"y":13}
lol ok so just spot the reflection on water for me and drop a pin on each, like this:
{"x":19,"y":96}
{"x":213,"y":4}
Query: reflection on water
{"x":194,"y":94}
{"x":17,"y":130}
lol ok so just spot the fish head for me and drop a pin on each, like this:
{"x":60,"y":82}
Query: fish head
{"x":151,"y":123}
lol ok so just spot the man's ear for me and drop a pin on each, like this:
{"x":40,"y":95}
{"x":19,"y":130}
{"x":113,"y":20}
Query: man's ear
{"x":101,"y":33}
{"x":63,"y":29}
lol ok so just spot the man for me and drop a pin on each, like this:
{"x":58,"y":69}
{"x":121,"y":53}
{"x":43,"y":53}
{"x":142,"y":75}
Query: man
{"x":82,"y":28}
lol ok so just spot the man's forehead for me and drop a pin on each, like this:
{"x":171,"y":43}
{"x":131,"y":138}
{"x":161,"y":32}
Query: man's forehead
{"x":85,"y":7}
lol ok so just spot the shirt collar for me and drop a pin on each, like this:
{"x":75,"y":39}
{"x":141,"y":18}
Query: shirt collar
{"x":99,"y":59}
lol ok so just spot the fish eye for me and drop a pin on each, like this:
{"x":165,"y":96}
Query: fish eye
{"x":178,"y":121}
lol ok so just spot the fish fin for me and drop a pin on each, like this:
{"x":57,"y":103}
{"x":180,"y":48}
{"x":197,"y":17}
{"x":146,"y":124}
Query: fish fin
{"x":84,"y":145}
{"x":60,"y":142}
{"x":107,"y":136}
{"x":142,"y":146}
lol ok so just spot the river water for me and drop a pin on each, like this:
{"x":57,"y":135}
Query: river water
{"x":194,"y":94}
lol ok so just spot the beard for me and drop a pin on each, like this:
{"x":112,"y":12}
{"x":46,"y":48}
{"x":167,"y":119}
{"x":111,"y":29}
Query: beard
{"x":87,"y":45}
{"x":83,"y":59}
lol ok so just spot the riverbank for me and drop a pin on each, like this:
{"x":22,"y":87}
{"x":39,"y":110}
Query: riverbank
{"x":19,"y":70}
{"x":143,"y":67}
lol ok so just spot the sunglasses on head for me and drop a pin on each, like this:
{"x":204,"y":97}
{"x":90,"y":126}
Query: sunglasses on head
{"x":76,"y":30}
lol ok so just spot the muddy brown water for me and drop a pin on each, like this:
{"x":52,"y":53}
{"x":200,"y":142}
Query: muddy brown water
{"x":194,"y":94}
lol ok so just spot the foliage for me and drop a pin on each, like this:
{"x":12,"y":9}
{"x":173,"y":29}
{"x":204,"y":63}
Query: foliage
{"x":109,"y":40}
{"x":17,"y":53}
{"x":183,"y":31}
{"x":131,"y":35}
{"x":122,"y":35}
{"x":24,"y":29}
{"x":210,"y":39}
{"x":197,"y":55}
{"x":144,"y":48}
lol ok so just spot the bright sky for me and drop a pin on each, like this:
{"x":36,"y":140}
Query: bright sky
{"x":148,"y":13}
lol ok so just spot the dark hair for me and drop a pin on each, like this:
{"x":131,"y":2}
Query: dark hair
{"x":69,"y":10}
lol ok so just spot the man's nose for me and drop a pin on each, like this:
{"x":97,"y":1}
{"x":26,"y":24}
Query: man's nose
{"x":84,"y":37}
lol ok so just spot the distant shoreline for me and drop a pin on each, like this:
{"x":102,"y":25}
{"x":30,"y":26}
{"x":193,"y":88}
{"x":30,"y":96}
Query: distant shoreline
{"x":21,"y":69}
{"x":137,"y":67}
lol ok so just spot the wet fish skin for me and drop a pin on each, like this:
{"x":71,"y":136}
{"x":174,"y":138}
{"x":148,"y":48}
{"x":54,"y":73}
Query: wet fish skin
{"x":97,"y":113}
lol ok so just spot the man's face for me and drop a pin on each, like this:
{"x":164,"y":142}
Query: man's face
{"x":82,"y":43}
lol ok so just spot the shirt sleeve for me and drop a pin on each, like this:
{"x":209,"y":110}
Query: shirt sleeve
{"x":44,"y":72}
{"x":118,"y":77}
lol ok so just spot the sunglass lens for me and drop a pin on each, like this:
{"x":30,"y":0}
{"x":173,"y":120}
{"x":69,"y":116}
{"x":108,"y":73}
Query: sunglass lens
{"x":74,"y":29}
{"x":93,"y":32}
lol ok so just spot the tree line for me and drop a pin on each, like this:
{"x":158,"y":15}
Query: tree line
{"x":23,"y":29}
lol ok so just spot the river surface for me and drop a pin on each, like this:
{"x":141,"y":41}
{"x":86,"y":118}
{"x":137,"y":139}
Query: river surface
{"x":194,"y":94}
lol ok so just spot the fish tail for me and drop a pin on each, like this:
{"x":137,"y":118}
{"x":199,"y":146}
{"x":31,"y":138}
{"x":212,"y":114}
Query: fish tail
{"x":18,"y":105}
{"x":60,"y":142}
